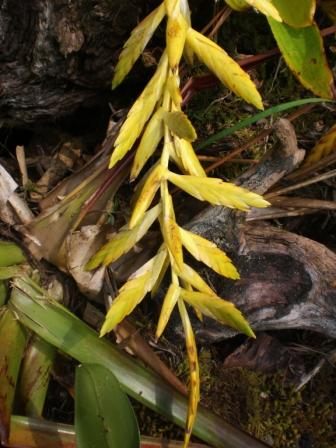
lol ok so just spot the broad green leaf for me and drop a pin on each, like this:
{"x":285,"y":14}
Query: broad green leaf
{"x":170,"y":230}
{"x":217,"y":308}
{"x":140,"y":112}
{"x":191,"y":277}
{"x":304,"y":54}
{"x":188,"y":159}
{"x":296,"y":13}
{"x":323,"y":147}
{"x":208,"y":253}
{"x":224,"y":67}
{"x":137,"y":42}
{"x":148,"y":143}
{"x":10,"y":253}
{"x":124,"y":240}
{"x":194,"y":383}
{"x":180,"y":125}
{"x":168,"y":305}
{"x":133,"y":291}
{"x":147,"y":194}
{"x":13,"y":341}
{"x":176,"y":32}
{"x":34,"y":308}
{"x":217,"y":192}
{"x":104,"y":417}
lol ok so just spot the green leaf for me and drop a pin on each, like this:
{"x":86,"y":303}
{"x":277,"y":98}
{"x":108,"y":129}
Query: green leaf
{"x":104,"y":417}
{"x":69,"y":334}
{"x":10,"y":254}
{"x":12,"y":344}
{"x":304,"y":54}
{"x":296,"y":13}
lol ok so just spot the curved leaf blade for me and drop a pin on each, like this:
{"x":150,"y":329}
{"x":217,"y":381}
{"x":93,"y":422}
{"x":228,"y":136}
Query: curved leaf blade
{"x":103,"y":415}
{"x":304,"y":54}
{"x":296,"y":14}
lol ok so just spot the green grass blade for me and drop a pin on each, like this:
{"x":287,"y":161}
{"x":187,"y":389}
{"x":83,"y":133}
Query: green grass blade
{"x":259,"y":116}
{"x":103,"y":414}
{"x":61,"y":328}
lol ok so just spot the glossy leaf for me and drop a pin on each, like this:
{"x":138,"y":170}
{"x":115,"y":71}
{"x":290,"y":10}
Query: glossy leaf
{"x":325,"y":146}
{"x":224,"y":67}
{"x":194,"y":383}
{"x":217,"y":192}
{"x":137,"y":42}
{"x":304,"y":54}
{"x":180,"y":125}
{"x":219,"y":309}
{"x":208,"y":253}
{"x":140,"y":112}
{"x":133,"y":291}
{"x":104,"y":417}
{"x":296,"y":13}
{"x":124,"y":240}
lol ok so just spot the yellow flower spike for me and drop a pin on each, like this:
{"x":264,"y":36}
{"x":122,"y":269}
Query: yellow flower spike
{"x":168,"y":305}
{"x":194,"y":384}
{"x":147,"y":194}
{"x":173,"y":87}
{"x":224,"y":67}
{"x":133,"y":291}
{"x":140,"y":112}
{"x":136,"y":43}
{"x":172,"y":7}
{"x":208,"y":253}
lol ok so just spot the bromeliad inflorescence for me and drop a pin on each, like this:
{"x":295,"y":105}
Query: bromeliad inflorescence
{"x":157,"y":116}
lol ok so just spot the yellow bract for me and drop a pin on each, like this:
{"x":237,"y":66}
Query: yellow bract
{"x":170,"y":230}
{"x":180,"y":125}
{"x":266,"y":7}
{"x":177,"y":28}
{"x":124,"y":240}
{"x":148,"y":143}
{"x":137,"y":42}
{"x":191,"y":277}
{"x":131,"y":294}
{"x":224,"y":67}
{"x":194,"y":385}
{"x":174,"y":89}
{"x":140,"y":112}
{"x":208,"y":253}
{"x":188,"y":160}
{"x":325,"y":146}
{"x":217,"y":308}
{"x":167,"y":308}
{"x":217,"y":192}
{"x":147,"y":194}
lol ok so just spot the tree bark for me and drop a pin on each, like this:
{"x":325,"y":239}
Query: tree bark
{"x":56,"y":55}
